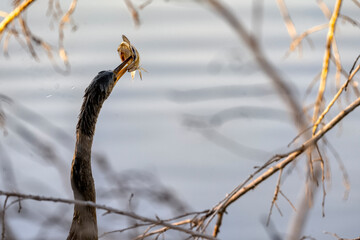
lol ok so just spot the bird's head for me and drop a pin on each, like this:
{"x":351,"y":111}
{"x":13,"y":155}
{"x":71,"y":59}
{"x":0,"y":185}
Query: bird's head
{"x":99,"y":90}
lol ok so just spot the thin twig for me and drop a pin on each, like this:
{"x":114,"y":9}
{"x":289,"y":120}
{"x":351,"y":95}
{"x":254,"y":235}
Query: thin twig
{"x":276,"y":193}
{"x":288,"y":200}
{"x":3,"y":226}
{"x":340,"y":238}
{"x":136,"y":225}
{"x":296,"y":41}
{"x":322,"y":165}
{"x":162,"y":230}
{"x":337,"y":95}
{"x":345,"y":175}
{"x":337,"y":60}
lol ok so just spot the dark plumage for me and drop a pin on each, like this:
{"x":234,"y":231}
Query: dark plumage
{"x":84,"y":224}
{"x":95,"y":95}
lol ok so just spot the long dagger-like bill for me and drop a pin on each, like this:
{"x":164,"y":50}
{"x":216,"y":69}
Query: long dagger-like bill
{"x":121,"y":69}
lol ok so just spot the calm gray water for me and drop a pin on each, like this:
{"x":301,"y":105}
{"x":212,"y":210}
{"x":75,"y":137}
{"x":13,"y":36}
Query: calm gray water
{"x":197,"y":67}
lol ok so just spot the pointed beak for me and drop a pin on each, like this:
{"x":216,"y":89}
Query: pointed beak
{"x":121,"y":69}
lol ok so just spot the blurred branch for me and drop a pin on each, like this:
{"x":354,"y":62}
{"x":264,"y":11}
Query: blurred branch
{"x":257,"y":17}
{"x":326,"y":11}
{"x":210,"y":133}
{"x":287,"y":19}
{"x":8,"y":173}
{"x":65,"y":19}
{"x":134,"y":13}
{"x":357,"y":3}
{"x":141,"y":184}
{"x":145,"y":4}
{"x":206,"y":126}
{"x":28,"y":38}
{"x":350,"y":20}
{"x":345,"y":175}
{"x":266,"y":66}
{"x":297,"y":40}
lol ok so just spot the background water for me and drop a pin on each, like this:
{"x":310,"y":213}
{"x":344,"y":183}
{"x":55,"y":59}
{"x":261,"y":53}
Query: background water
{"x":197,"y":67}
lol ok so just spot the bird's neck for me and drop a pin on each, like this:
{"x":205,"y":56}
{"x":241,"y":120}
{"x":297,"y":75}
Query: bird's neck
{"x":81,"y":175}
{"x":84,"y":224}
{"x":83,"y":147}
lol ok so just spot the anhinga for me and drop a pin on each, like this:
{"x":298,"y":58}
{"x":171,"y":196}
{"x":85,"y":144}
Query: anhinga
{"x":84,"y":223}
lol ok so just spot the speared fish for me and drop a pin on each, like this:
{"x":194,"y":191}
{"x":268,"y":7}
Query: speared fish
{"x":126,"y":50}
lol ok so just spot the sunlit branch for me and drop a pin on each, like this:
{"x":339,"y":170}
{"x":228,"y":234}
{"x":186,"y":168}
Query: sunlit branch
{"x":337,"y":95}
{"x":325,"y":66}
{"x":11,"y":16}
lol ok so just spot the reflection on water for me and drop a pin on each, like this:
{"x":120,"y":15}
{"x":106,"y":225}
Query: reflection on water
{"x":200,"y":120}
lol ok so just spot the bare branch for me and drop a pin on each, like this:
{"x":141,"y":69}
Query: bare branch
{"x":291,"y":157}
{"x":106,"y":208}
